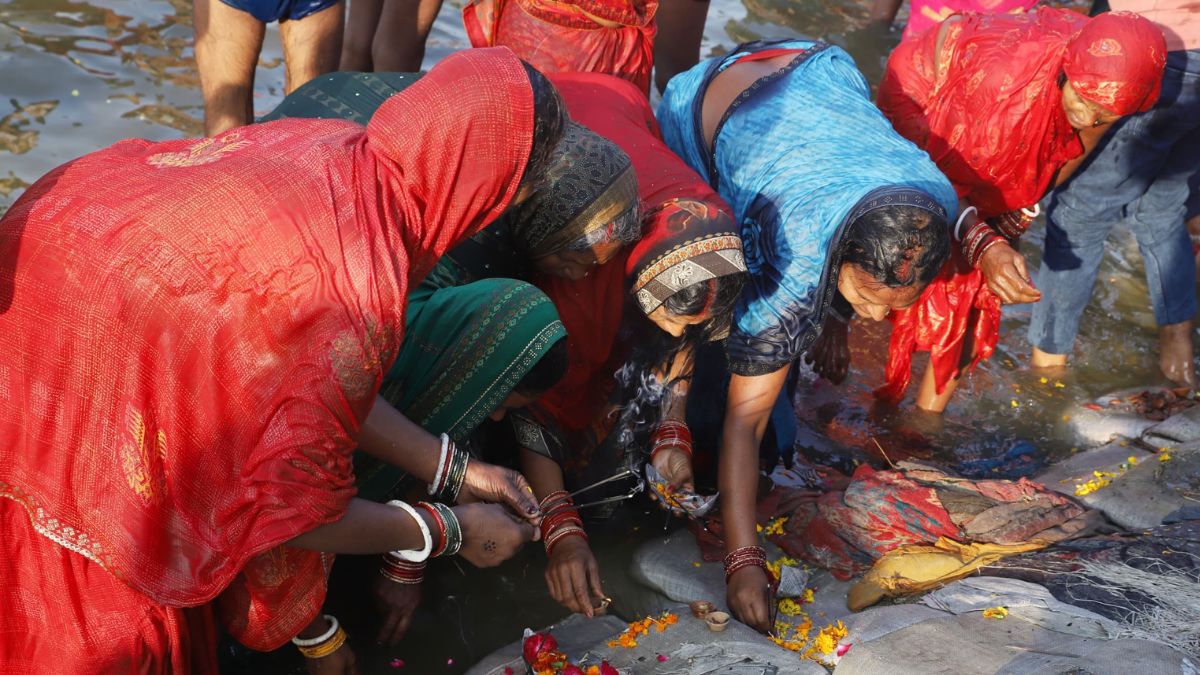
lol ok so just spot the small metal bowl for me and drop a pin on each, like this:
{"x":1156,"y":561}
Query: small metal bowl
{"x":702,"y":608}
{"x":717,"y":621}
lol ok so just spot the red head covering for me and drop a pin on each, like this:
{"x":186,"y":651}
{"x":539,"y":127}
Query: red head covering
{"x":684,"y":223}
{"x":193,"y":331}
{"x":988,"y":107}
{"x":1117,"y":61}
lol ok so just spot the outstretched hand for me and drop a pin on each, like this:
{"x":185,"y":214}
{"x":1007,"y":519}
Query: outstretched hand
{"x":573,"y":576}
{"x":749,"y":595}
{"x":1006,"y":275}
{"x":499,"y":485}
{"x":491,"y":534}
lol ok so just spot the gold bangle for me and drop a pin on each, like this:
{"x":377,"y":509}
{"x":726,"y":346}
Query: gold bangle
{"x":325,"y":648}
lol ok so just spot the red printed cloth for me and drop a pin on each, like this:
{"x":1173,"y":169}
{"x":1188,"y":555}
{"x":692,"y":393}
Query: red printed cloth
{"x":846,"y":531}
{"x":193,"y":331}
{"x":613,"y":37}
{"x":988,"y":109}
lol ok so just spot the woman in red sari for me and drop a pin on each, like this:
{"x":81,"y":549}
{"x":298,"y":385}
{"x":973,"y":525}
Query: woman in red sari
{"x":615,"y":37}
{"x":1007,"y":106}
{"x":194,"y":332}
{"x":684,"y":275}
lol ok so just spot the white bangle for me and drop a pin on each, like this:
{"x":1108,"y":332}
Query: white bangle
{"x":962,"y":217}
{"x":421,"y":555}
{"x":1037,"y":211}
{"x":436,"y":485}
{"x":313,"y":642}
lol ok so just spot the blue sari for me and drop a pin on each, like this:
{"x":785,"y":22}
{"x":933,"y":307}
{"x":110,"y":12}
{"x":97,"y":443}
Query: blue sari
{"x":799,"y":155}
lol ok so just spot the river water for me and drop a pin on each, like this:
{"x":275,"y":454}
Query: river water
{"x":77,"y":76}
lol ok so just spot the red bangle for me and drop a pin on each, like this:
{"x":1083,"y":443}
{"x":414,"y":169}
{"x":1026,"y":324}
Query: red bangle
{"x":440,"y":547}
{"x":563,"y":533}
{"x":746,"y":556}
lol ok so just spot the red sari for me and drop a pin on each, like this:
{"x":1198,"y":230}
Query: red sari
{"x":988,"y":110}
{"x":193,"y":333}
{"x":684,"y":224}
{"x":614,"y":37}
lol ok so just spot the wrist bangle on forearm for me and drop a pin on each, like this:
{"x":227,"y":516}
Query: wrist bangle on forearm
{"x":746,"y":556}
{"x":456,"y":474}
{"x":401,"y":571}
{"x":448,"y":527}
{"x":978,"y":239}
{"x":421,"y":554}
{"x":324,"y":645}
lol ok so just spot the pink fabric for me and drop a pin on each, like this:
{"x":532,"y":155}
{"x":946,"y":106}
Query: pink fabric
{"x":1178,"y":19}
{"x":925,"y":14}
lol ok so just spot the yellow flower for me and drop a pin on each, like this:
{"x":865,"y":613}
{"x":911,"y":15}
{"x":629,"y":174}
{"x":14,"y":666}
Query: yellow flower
{"x":1132,"y":460}
{"x":789,"y":607}
{"x":775,"y":567}
{"x":1043,"y":380}
{"x":1164,"y":456}
{"x":827,"y":640}
{"x":1059,"y":385}
{"x":1015,"y":404}
{"x":808,"y":595}
{"x":775,"y":527}
{"x":995,"y":612}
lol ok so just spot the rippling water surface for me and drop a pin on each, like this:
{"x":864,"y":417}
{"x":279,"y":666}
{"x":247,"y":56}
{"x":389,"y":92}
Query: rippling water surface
{"x":77,"y":76}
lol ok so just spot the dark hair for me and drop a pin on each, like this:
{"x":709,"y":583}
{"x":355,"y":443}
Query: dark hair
{"x":549,"y":123}
{"x":546,"y":372}
{"x":716,"y":297}
{"x":898,"y":245}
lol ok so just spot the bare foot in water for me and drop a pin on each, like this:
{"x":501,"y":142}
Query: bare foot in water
{"x":1041,"y":359}
{"x":1175,"y":353}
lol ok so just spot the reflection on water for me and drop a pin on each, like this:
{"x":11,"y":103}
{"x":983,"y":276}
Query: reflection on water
{"x":78,"y":76}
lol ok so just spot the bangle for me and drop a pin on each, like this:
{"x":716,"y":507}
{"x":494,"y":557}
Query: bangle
{"x":441,"y":527}
{"x":962,"y":217}
{"x":416,"y":555}
{"x":325,"y":649}
{"x":455,"y":476}
{"x":436,"y":485}
{"x":746,"y":556}
{"x":563,"y":533}
{"x":401,"y":572}
{"x":452,"y":538}
{"x":312,"y":642}
{"x":398,"y":572}
{"x":978,"y":239}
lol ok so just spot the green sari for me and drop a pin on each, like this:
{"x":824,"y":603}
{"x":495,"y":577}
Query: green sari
{"x":465,"y":348}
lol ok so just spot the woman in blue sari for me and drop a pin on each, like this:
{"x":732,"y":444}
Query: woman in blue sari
{"x":837,"y":212}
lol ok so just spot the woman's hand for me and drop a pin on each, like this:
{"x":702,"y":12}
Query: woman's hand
{"x":573,"y":576}
{"x":397,"y":603}
{"x":340,"y":662}
{"x":490,"y":534}
{"x":675,"y":466}
{"x":1004,"y":270}
{"x":749,"y":596}
{"x":499,"y":485}
{"x":830,"y":356}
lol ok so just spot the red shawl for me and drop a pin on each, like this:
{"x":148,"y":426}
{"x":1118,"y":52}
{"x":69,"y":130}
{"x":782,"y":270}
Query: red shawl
{"x":988,"y":109}
{"x":561,"y":36}
{"x":591,"y":309}
{"x":193,"y":331}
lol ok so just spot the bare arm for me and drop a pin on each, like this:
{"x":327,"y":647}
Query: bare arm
{"x":367,"y":527}
{"x":389,"y":436}
{"x":746,"y":416}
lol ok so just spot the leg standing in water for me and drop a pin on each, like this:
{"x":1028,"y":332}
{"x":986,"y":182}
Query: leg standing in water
{"x":388,"y":36}
{"x":229,"y":37}
{"x":1140,"y":173}
{"x":672,"y":56}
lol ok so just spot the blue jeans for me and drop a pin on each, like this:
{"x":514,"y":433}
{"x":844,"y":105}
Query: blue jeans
{"x":1139,"y":173}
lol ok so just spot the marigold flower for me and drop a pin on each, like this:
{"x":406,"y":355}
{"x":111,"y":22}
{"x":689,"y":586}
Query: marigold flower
{"x":995,"y":612}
